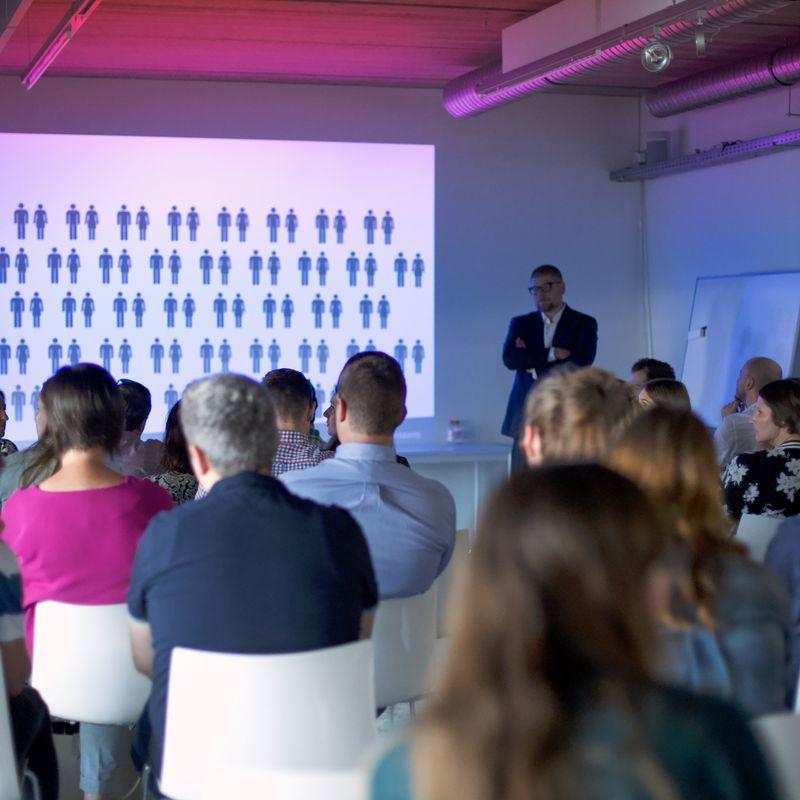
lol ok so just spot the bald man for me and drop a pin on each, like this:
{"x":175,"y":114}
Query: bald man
{"x":736,"y":434}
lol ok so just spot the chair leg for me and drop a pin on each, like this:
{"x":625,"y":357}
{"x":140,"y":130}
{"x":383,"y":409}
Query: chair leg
{"x":146,"y":782}
{"x":33,"y":781}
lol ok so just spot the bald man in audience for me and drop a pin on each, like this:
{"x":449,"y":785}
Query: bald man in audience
{"x":409,"y":521}
{"x":736,"y":434}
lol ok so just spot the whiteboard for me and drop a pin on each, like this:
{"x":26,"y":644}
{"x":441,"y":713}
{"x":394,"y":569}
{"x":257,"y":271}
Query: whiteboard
{"x":736,"y":317}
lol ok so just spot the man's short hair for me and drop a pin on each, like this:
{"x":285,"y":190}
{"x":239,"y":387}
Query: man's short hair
{"x":289,"y":391}
{"x":373,"y":386}
{"x":654,"y":369}
{"x":231,"y":418}
{"x":547,"y":271}
{"x":763,"y":371}
{"x":578,"y":413}
{"x":138,"y":403}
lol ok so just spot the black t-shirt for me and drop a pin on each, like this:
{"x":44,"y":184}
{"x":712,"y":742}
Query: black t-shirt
{"x":250,"y":568}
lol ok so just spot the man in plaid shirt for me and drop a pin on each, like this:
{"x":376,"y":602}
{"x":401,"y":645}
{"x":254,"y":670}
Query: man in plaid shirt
{"x":295,"y":405}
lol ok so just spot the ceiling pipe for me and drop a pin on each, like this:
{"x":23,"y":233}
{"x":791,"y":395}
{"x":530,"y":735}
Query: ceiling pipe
{"x":757,"y":74}
{"x":489,"y":87}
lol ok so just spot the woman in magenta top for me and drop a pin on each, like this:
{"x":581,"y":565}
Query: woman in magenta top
{"x":75,"y":535}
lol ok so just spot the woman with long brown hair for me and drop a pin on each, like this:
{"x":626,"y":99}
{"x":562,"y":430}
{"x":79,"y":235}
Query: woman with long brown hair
{"x":670,"y":454}
{"x":547,"y":690}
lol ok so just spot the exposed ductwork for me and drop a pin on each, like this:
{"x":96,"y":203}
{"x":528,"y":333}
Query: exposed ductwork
{"x":781,"y":68}
{"x":489,"y":87}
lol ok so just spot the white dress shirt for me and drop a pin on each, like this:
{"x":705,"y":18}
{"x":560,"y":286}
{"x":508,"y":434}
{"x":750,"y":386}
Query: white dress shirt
{"x":409,"y":521}
{"x":735,"y":436}
{"x":548,"y":332}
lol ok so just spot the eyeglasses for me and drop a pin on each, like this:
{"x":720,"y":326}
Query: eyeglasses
{"x":535,"y":289}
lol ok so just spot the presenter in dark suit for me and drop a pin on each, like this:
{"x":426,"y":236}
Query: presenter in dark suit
{"x":552,"y":336}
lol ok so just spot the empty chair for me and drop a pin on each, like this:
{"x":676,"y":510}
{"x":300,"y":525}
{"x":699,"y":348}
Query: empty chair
{"x":82,"y":664}
{"x":287,"y":785}
{"x":404,"y":637}
{"x":756,"y":532}
{"x":778,"y":735}
{"x":450,"y":578}
{"x":297,"y":711}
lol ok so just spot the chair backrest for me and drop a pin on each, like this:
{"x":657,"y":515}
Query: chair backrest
{"x":449,"y":579}
{"x":404,"y":636}
{"x":297,"y":711}
{"x":756,"y":532}
{"x":287,"y":785}
{"x":83,"y":666}
{"x":9,"y":777}
{"x":778,"y":735}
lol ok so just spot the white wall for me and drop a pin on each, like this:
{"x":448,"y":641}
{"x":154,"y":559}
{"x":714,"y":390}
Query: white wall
{"x":735,"y":218}
{"x":516,"y":187}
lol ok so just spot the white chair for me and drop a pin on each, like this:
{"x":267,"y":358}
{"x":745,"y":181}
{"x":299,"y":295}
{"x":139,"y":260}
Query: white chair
{"x":283,"y":785}
{"x":299,"y":711}
{"x":404,"y":636}
{"x":778,"y":735}
{"x":449,"y":579}
{"x":9,"y":776}
{"x":83,"y":666}
{"x":756,"y":532}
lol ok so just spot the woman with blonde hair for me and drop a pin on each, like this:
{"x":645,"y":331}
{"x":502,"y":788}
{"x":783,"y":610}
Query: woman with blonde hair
{"x":574,"y":415}
{"x":670,"y":454}
{"x":665,"y":393}
{"x":547,"y":690}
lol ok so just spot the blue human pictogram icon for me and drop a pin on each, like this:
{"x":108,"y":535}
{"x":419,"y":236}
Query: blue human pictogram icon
{"x":125,"y":356}
{"x":370,"y":347}
{"x":189,"y":308}
{"x":156,"y":265}
{"x":317,"y":309}
{"x":370,"y":268}
{"x":418,"y":268}
{"x":157,"y":353}
{"x":54,"y":353}
{"x":401,"y":267}
{"x":73,"y":220}
{"x":142,"y":222}
{"x":69,"y":305}
{"x":256,"y":354}
{"x":73,"y":265}
{"x":365,"y":309}
{"x":120,"y":306}
{"x":269,"y":306}
{"x":17,"y":306}
{"x":224,"y":265}
{"x":123,"y":220}
{"x":192,"y":223}
{"x":23,"y":355}
{"x":174,"y":223}
{"x":175,"y":355}
{"x":220,"y":307}
{"x":304,"y":352}
{"x":256,"y":264}
{"x":5,"y":263}
{"x":37,"y":390}
{"x":387,"y":225}
{"x":174,"y":266}
{"x":20,"y":220}
{"x":304,"y":265}
{"x":274,"y":354}
{"x":287,"y":309}
{"x":370,"y":225}
{"x":273,"y":223}
{"x":92,"y":220}
{"x":74,"y":352}
{"x":274,"y":267}
{"x":5,"y":356}
{"x":322,"y":268}
{"x":339,"y":225}
{"x":224,"y":223}
{"x":322,"y":223}
{"x":352,"y":265}
{"x":291,"y":225}
{"x":124,"y":264}
{"x":242,"y":223}
{"x":21,"y":263}
{"x":322,"y":356}
{"x":319,"y":394}
{"x":138,"y":307}
{"x":87,"y":308}
{"x":335,"y":308}
{"x":384,"y":309}
{"x":40,"y":221}
{"x":352,"y":349}
{"x":237,"y":306}
{"x":36,"y":307}
{"x":170,"y":397}
{"x":225,"y":355}
{"x":206,"y":265}
{"x":401,"y":353}
{"x":54,"y":264}
{"x":170,"y":309}
{"x":18,"y":403}
{"x":206,"y":354}
{"x":106,"y":264}
{"x":106,"y":354}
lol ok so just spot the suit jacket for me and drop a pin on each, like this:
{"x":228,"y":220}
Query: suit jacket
{"x":575,"y":332}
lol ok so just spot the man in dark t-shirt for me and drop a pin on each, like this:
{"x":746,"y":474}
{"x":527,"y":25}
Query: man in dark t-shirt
{"x":250,"y":568}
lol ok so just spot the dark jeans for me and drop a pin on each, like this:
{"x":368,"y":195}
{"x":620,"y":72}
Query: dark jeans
{"x":33,"y":739}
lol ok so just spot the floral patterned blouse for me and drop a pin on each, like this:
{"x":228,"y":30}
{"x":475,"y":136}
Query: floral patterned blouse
{"x":7,"y":447}
{"x":182,"y":487}
{"x":766,"y":482}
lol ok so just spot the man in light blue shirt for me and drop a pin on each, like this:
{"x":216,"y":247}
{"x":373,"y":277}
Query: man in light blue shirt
{"x":409,"y":521}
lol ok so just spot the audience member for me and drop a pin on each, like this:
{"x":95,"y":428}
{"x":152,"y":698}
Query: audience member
{"x":30,"y":719}
{"x":250,"y":568}
{"x":30,"y":466}
{"x":314,"y":436}
{"x":665,"y":393}
{"x":294,"y":408}
{"x":7,"y":447}
{"x":409,"y":521}
{"x":783,"y":558}
{"x":729,"y":598}
{"x":547,"y":690}
{"x":736,"y":434}
{"x":768,"y":481}
{"x":573,"y":416}
{"x":176,"y":476}
{"x":330,"y":421}
{"x":650,"y":369}
{"x":76,"y":533}
{"x":135,"y":456}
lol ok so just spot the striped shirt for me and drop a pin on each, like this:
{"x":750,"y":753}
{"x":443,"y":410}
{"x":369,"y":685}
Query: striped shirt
{"x":12,"y":620}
